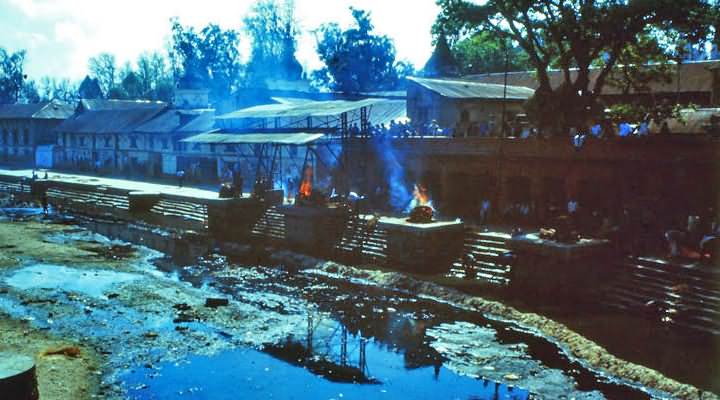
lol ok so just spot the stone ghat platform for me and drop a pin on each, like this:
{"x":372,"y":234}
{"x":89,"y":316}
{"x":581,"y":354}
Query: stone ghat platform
{"x":423,"y":247}
{"x":163,"y":205}
{"x":314,"y":229}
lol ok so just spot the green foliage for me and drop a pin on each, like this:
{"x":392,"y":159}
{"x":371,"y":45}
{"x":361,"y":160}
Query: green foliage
{"x":486,"y":52}
{"x":65,"y":91}
{"x":574,"y":35}
{"x":155,"y":79}
{"x":29,"y":92}
{"x":273,"y":30}
{"x":655,"y":113}
{"x":11,"y":75}
{"x":89,"y":89}
{"x":208,"y":59}
{"x":103,"y":67}
{"x":356,"y":60}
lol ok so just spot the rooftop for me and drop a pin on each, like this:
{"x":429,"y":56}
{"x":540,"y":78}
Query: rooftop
{"x":286,"y":138}
{"x":112,"y":104}
{"x":180,"y":121}
{"x":301,"y":109}
{"x":457,"y":88}
{"x":689,"y":77}
{"x":45,"y":110}
{"x":118,"y":120}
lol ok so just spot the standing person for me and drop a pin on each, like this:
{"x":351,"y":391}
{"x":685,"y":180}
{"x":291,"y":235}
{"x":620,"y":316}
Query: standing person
{"x":181,"y":177}
{"x":44,"y":201}
{"x":484,"y":211}
{"x":237,"y":179}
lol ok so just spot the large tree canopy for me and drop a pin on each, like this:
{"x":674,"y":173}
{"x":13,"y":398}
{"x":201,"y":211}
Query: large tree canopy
{"x":575,"y":35}
{"x":357,"y":60}
{"x":11,"y":75}
{"x":103,"y":67}
{"x":273,"y":30}
{"x":208,"y":59}
{"x":485,"y":52}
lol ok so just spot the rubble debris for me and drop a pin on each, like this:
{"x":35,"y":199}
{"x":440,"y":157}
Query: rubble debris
{"x":213,"y":302}
{"x":68,"y":351}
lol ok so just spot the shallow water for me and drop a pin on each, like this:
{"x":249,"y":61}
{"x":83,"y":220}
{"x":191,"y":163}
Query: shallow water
{"x":424,"y":334}
{"x":92,"y":283}
{"x":248,"y":373}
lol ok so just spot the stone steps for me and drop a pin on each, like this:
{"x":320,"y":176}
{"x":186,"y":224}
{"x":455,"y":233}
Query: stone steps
{"x":360,"y":243}
{"x":683,"y":295}
{"x":179,"y":209}
{"x":270,"y":226}
{"x":90,"y":199}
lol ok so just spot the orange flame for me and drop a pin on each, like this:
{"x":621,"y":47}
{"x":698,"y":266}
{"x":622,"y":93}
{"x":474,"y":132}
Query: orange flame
{"x":306,"y":184}
{"x":421,"y":195}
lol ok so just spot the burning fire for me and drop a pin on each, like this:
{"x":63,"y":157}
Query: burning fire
{"x":306,"y":185}
{"x":420,"y":208}
{"x":421,"y":197}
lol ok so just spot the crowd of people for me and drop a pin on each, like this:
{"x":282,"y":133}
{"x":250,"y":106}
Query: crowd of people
{"x":405,"y":128}
{"x":400,"y":129}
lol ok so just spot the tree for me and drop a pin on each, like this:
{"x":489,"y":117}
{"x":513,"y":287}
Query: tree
{"x":156,"y":82}
{"x":273,"y":30}
{"x":485,"y":52}
{"x":64,"y":90}
{"x":404,"y":69}
{"x":574,"y":35}
{"x":356,"y":60}
{"x":29,"y":92}
{"x":11,"y":75}
{"x":104,"y":69}
{"x":209,"y":59}
{"x":90,"y":89}
{"x":132,"y":86}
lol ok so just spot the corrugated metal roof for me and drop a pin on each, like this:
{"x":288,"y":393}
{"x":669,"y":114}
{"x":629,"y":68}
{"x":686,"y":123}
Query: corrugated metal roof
{"x":388,"y":110}
{"x":101,"y":104}
{"x":254,"y":138}
{"x":187,"y":121}
{"x":110,"y":121}
{"x":466,"y":89}
{"x":688,"y":77}
{"x":45,"y":110}
{"x":307,"y":109}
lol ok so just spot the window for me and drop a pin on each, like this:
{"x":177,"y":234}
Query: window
{"x":133,"y":142}
{"x":15,"y":137}
{"x":212,"y":147}
{"x":230,"y":148}
{"x":73,"y":141}
{"x":151,"y":143}
{"x":82,"y":141}
{"x":26,"y":137}
{"x":5,"y":136}
{"x":196,"y":147}
{"x":164,"y":144}
{"x":107,"y":141}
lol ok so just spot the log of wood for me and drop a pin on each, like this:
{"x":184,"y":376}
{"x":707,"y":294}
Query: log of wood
{"x":17,"y":377}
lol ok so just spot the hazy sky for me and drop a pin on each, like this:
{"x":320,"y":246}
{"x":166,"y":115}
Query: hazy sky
{"x":60,"y":35}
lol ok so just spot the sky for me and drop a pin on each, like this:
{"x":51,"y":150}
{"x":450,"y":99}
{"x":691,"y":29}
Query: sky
{"x":61,"y":35}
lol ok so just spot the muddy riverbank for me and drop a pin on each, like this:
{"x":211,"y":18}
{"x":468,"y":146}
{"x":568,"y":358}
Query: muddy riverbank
{"x":138,"y":318}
